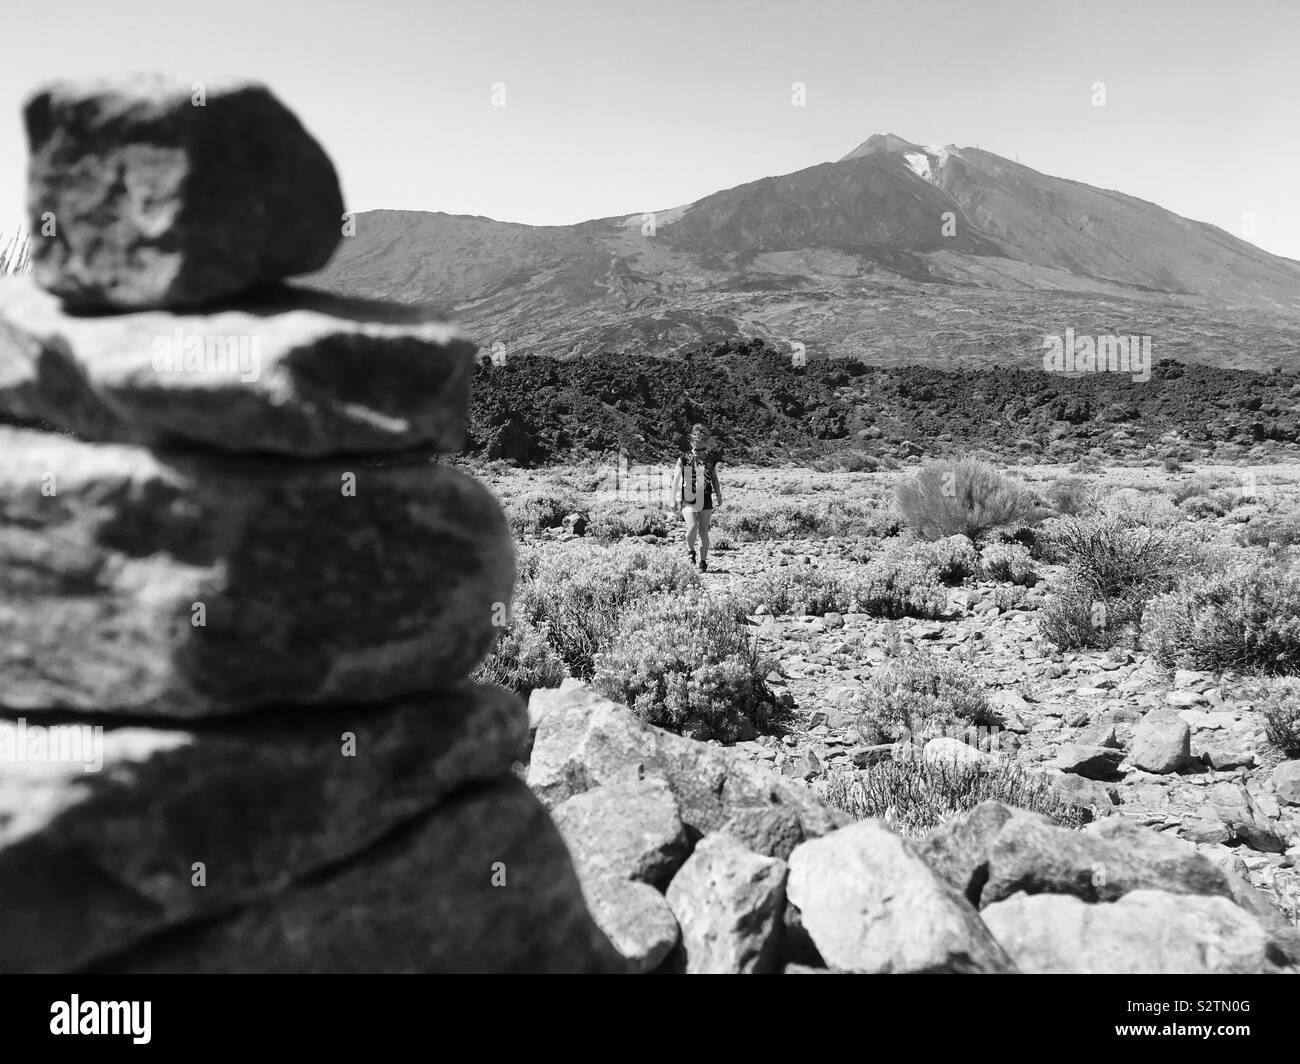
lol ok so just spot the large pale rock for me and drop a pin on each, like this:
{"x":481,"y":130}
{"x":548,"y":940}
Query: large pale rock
{"x":728,"y":901}
{"x":482,"y":884}
{"x":634,"y":916}
{"x":631,"y":830}
{"x":585,"y":741}
{"x":307,"y":595}
{"x":1110,"y":859}
{"x":159,"y":202}
{"x":1237,"y":809}
{"x":99,"y":839}
{"x":293,"y":372}
{"x":1147,"y":931}
{"x":871,"y":904}
{"x":1161,"y":743}
{"x":1286,"y":782}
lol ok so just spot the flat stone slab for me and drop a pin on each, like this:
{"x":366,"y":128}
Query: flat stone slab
{"x":292,"y":372}
{"x":161,"y":196}
{"x":482,"y":884}
{"x":100,"y":832}
{"x":184,"y":586}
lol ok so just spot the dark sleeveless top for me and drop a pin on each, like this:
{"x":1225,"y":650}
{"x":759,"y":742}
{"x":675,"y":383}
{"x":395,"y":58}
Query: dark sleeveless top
{"x":698,"y":477}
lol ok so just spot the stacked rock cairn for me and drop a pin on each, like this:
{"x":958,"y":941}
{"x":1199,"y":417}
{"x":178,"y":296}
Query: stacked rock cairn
{"x":240,"y":599}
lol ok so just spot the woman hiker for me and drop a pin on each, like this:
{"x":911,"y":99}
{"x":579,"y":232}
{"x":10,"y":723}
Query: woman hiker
{"x":697,"y":491}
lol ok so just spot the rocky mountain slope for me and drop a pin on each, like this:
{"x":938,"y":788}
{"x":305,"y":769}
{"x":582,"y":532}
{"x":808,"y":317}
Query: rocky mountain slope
{"x":896,"y":254}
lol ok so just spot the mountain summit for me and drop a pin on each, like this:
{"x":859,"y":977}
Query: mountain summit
{"x":896,"y":253}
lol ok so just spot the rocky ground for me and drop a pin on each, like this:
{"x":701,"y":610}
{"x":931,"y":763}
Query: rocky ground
{"x":1183,"y":753}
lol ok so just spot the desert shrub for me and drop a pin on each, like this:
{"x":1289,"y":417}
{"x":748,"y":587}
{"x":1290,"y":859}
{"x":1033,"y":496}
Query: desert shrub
{"x":522,"y":659}
{"x":1242,"y":619}
{"x":1008,"y":598}
{"x":914,"y":796}
{"x":1267,"y":530}
{"x":1114,"y":567}
{"x":964,"y":497}
{"x":1281,"y":709}
{"x":538,"y":509}
{"x":1151,"y":508}
{"x":1010,"y":562}
{"x":799,"y":589}
{"x":1074,"y":617}
{"x":848,"y":461}
{"x":578,"y":589}
{"x":1201,"y":506}
{"x":623,"y":519}
{"x":954,"y":558}
{"x":895,"y":587}
{"x":766,"y":519}
{"x":1071,"y":496}
{"x":683,"y":662}
{"x":921,"y":695}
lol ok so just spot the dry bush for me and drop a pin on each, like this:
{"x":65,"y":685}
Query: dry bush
{"x":921,"y":695}
{"x":1247,"y":620}
{"x":1072,"y":496}
{"x":576,"y":592}
{"x":1010,"y":562}
{"x":1281,"y":709}
{"x":682,"y":661}
{"x":964,"y":497}
{"x":914,"y":796}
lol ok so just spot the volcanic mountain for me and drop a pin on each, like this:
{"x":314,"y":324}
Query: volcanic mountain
{"x":898,"y":253}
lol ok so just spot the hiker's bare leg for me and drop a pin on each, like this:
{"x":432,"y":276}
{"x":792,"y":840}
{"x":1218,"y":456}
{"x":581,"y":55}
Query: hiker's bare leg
{"x":703,"y":519}
{"x":692,"y":529}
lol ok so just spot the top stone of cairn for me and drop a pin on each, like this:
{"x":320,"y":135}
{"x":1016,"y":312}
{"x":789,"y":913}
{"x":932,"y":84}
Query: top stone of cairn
{"x":145,"y":192}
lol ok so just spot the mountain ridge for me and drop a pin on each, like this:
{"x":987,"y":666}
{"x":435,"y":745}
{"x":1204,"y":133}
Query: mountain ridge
{"x":952,"y":257}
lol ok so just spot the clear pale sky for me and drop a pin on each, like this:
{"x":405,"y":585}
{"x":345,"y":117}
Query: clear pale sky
{"x":619,"y":106}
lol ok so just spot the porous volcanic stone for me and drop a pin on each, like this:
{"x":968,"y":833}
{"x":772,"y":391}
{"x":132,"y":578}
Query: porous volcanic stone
{"x":293,"y":372}
{"x":158,"y":202}
{"x":307,"y":594}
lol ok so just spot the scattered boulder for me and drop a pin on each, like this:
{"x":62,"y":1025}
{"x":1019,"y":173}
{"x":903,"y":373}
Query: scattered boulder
{"x":770,"y":830}
{"x":1108,"y":860}
{"x":1161,"y":743}
{"x":1286,"y":782}
{"x":631,"y":830}
{"x":1235,"y":806}
{"x":953,"y":751}
{"x":871,"y":904}
{"x":727,"y":901}
{"x":1147,"y":931}
{"x":957,"y":851}
{"x":587,"y":740}
{"x":635,"y":918}
{"x":163,"y":198}
{"x":1092,"y":762}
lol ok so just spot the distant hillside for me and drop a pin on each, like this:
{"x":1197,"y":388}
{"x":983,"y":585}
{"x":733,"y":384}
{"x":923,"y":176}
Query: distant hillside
{"x":897,"y":254}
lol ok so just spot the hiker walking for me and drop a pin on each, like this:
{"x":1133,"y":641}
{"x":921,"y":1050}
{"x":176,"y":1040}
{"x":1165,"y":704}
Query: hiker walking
{"x":697,"y":491}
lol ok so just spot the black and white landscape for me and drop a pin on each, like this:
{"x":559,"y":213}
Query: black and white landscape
{"x":885,"y":562}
